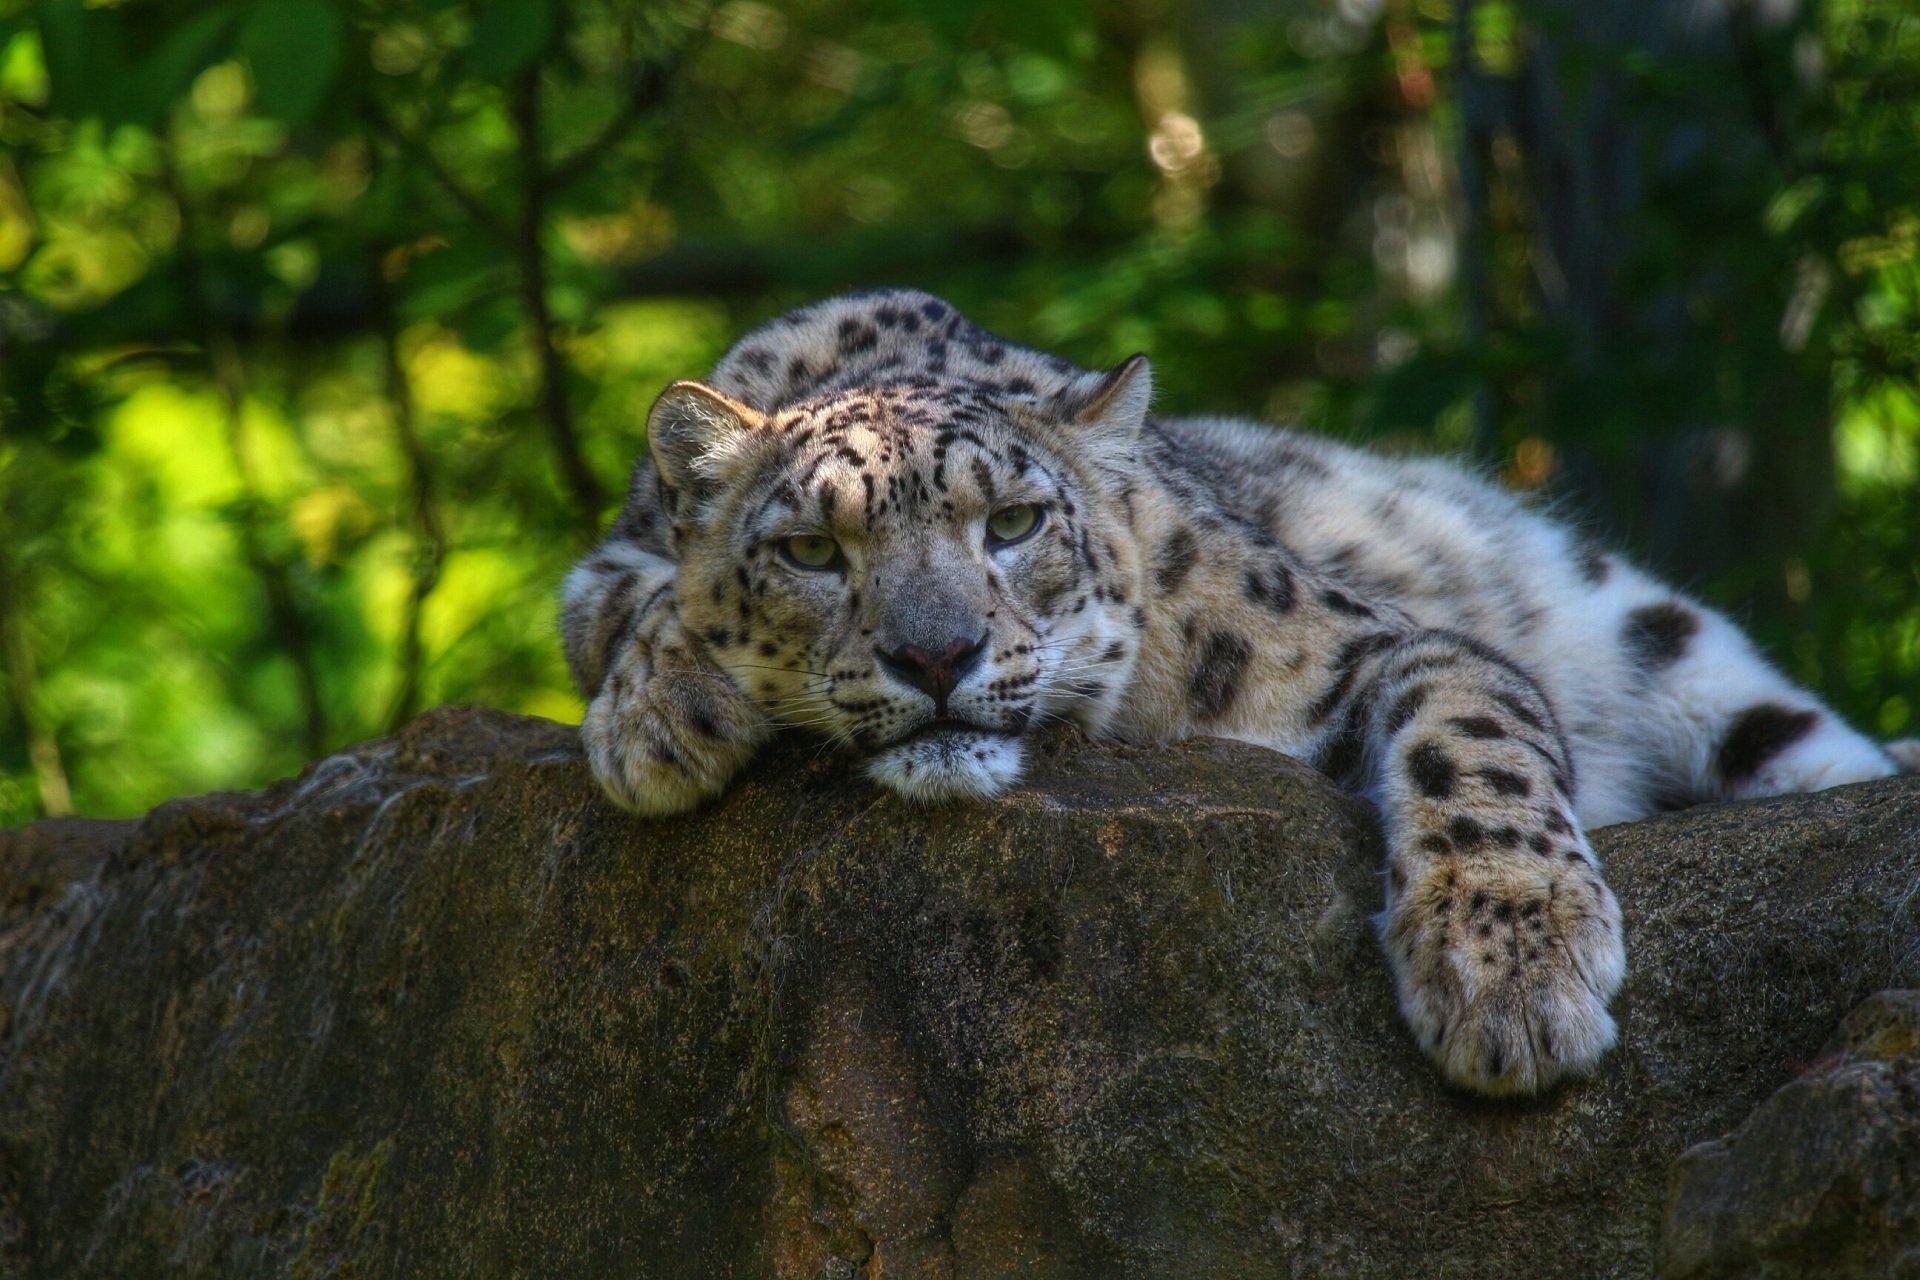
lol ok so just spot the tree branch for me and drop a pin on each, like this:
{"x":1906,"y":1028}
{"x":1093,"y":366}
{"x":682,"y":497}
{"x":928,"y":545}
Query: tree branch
{"x":417,"y":148}
{"x":339,"y":308}
{"x":531,"y":260}
{"x":1750,"y":62}
{"x":43,"y":747}
{"x":429,"y":531}
{"x":284,"y":616}
{"x":651,"y":83}
{"x":1476,"y":293}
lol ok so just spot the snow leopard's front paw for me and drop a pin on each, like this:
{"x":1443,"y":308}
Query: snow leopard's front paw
{"x":666,"y":737}
{"x":1504,"y":971}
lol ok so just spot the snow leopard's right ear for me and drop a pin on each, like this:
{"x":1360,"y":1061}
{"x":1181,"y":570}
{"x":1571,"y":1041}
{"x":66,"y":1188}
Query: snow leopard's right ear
{"x":699,"y":435}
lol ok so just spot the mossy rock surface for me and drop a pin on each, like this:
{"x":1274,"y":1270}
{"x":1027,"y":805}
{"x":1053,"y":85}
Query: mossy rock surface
{"x":435,"y":1008}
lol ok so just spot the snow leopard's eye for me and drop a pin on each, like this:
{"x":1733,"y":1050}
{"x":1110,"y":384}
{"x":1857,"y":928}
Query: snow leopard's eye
{"x":812,"y":553}
{"x":1009,"y":525}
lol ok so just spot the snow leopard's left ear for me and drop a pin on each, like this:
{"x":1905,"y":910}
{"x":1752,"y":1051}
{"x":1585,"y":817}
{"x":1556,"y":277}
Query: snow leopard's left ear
{"x":1110,"y":408}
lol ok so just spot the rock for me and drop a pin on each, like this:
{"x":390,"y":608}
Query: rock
{"x":436,"y":1008}
{"x":1824,"y":1178}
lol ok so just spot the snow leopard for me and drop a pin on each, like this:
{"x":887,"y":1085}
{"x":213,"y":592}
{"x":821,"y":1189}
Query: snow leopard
{"x":878,"y":523}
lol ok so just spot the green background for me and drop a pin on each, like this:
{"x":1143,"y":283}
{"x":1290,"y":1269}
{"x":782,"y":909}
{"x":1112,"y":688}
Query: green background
{"x":328,"y":329}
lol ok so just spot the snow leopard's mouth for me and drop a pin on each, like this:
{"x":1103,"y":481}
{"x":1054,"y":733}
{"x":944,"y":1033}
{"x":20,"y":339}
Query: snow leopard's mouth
{"x":945,"y":729}
{"x":947,"y":760}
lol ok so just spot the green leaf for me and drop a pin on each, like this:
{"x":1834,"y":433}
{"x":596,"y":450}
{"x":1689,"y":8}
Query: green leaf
{"x":442,"y":283}
{"x":293,"y":47}
{"x":507,"y":36}
{"x":949,"y":20}
{"x":85,"y":66}
{"x":192,"y":47}
{"x":1047,"y":28}
{"x":487,"y":325}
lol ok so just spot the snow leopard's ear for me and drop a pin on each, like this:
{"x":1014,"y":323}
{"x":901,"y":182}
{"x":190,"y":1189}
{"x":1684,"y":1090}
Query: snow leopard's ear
{"x":699,"y":435}
{"x":1109,"y":408}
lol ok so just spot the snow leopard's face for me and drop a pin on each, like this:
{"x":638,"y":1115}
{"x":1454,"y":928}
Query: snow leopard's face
{"x":920,"y":573}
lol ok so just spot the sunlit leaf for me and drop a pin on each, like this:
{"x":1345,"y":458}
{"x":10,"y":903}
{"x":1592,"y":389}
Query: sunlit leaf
{"x":23,"y":68}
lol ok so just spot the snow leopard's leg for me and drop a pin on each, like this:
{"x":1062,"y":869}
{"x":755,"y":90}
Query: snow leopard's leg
{"x":665,"y":728}
{"x":1503,"y":939}
{"x":1720,"y":722}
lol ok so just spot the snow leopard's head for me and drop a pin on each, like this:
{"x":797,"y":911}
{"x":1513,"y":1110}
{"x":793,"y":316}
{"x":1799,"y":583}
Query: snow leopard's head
{"x":921,"y":570}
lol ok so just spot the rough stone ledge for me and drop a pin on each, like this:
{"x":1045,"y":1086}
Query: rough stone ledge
{"x":435,"y":1008}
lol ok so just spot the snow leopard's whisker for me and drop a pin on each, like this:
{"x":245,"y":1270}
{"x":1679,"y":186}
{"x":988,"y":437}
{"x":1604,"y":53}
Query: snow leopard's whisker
{"x":840,"y":736}
{"x":1063,"y":675}
{"x":704,"y":673}
{"x":785,"y":671}
{"x":804,"y":712}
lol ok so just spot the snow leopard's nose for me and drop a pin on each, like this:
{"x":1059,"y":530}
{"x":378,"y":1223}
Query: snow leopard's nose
{"x":934,"y":674}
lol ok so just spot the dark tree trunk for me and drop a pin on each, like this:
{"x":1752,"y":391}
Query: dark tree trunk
{"x":1642,"y":139}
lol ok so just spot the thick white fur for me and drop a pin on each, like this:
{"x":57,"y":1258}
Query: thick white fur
{"x":946,"y":767}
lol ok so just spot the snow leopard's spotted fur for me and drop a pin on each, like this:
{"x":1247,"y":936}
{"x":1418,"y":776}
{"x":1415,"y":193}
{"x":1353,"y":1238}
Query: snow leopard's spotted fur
{"x":1493,"y":682}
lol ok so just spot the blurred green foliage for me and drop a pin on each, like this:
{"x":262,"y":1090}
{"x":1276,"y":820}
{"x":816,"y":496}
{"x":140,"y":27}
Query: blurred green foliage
{"x":328,"y":327}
